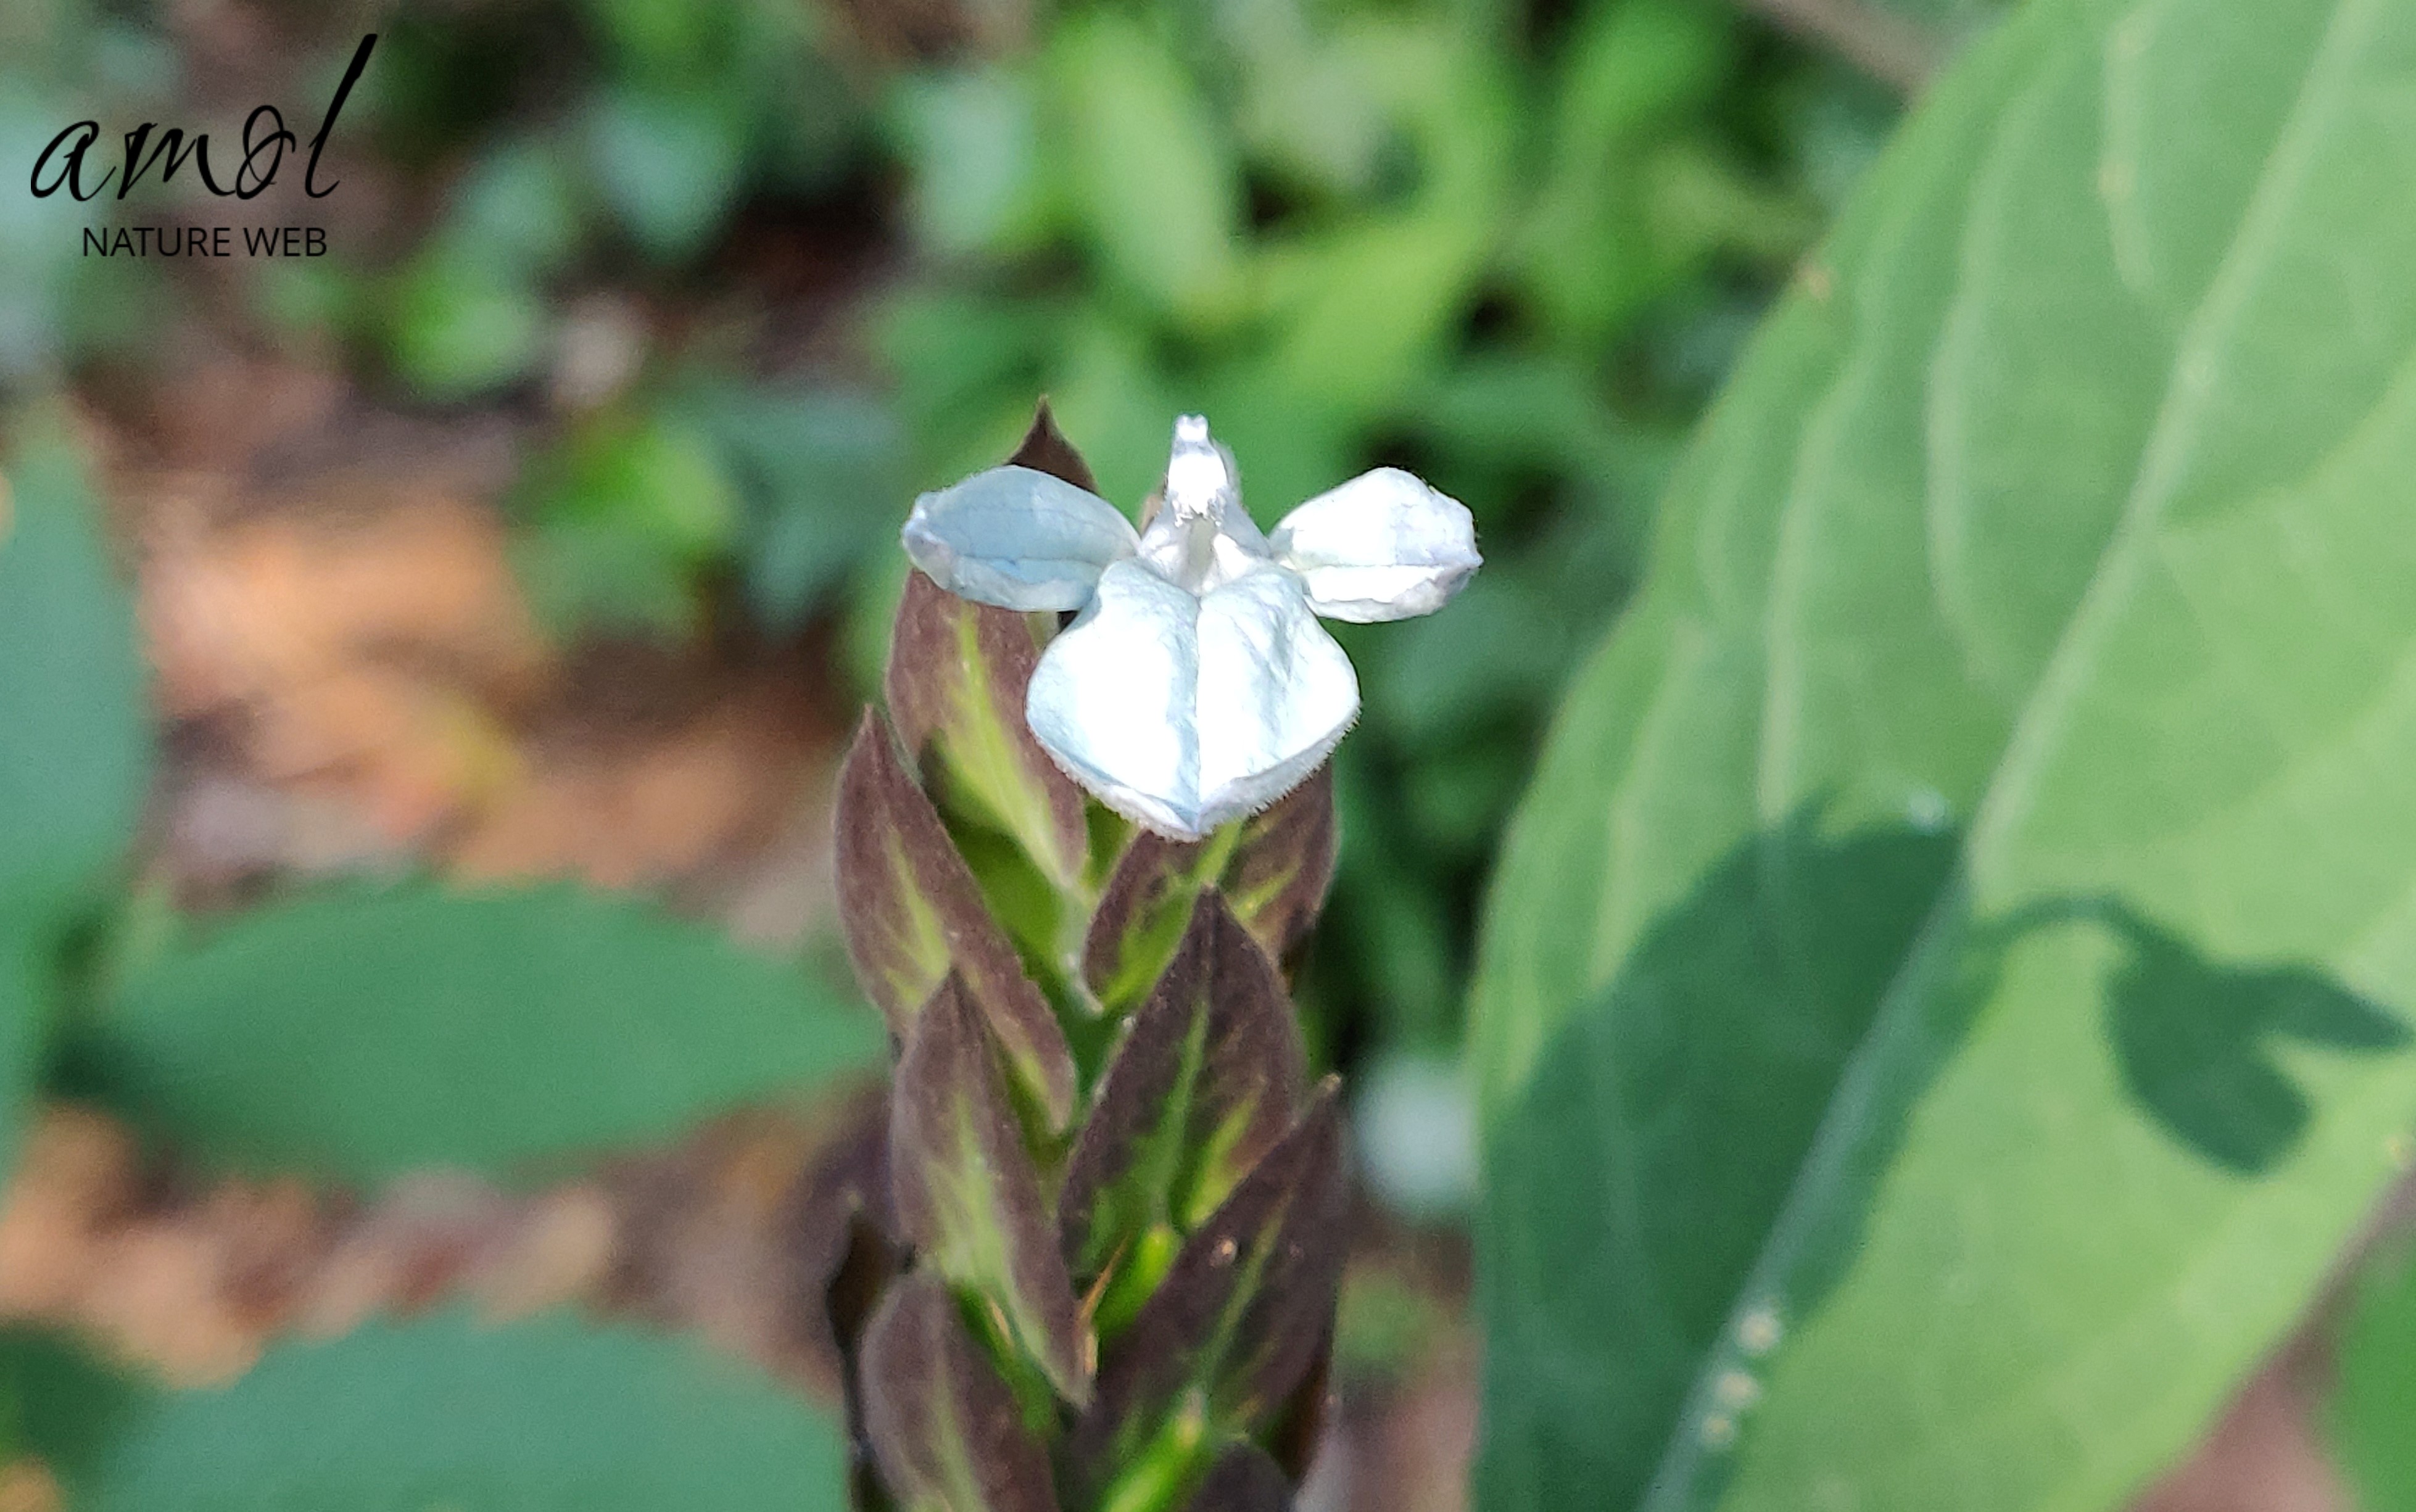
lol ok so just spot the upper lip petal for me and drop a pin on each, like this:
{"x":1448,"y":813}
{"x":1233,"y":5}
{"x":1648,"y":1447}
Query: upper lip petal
{"x":1018,"y":538}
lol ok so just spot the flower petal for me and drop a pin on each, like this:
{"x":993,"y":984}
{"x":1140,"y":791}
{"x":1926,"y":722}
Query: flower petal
{"x":1275,"y":695}
{"x":1114,"y":695}
{"x":1187,"y":713}
{"x":1018,"y":538}
{"x":1382,"y":546}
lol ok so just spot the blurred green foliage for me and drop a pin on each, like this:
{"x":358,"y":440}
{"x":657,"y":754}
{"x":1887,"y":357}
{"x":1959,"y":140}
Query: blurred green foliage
{"x":2374,"y":1401}
{"x":75,"y":742}
{"x":622,"y":1024}
{"x":1508,"y":251}
{"x":352,"y":1036}
{"x":440,"y":1411}
{"x":582,"y":202}
{"x":1510,"y":247}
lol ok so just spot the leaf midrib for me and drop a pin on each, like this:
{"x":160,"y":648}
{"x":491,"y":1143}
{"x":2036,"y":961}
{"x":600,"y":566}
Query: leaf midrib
{"x":2004,"y":799}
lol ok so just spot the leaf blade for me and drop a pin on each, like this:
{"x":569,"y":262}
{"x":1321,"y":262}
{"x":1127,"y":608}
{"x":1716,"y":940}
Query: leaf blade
{"x":959,"y":673}
{"x":441,"y":1411}
{"x":1975,"y":540}
{"x":480,"y":1030}
{"x":1273,"y":870}
{"x":75,"y":744}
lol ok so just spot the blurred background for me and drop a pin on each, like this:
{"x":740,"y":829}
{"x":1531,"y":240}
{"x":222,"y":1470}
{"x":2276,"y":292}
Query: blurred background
{"x":545,"y":525}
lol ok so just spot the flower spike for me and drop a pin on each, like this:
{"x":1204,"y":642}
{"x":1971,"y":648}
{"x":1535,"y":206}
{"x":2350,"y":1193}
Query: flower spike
{"x":1100,"y":1228}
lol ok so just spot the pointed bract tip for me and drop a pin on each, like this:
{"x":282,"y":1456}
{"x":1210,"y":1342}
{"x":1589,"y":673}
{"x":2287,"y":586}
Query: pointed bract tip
{"x":1045,"y":449}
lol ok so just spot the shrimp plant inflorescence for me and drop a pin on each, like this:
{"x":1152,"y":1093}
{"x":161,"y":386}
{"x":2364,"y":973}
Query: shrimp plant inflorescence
{"x":1097,"y":1270}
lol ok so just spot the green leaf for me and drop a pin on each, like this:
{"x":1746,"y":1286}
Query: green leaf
{"x":980,"y":182}
{"x":1366,"y":310}
{"x":967,"y":1193}
{"x":1151,"y":173}
{"x":1367,"y":306}
{"x":57,"y":1404}
{"x":1209,"y":1078}
{"x":819,"y":470}
{"x":75,"y":744}
{"x":956,"y":677}
{"x":39,"y":247}
{"x":443,"y":1411}
{"x":367,"y":1033}
{"x":24,"y":1015}
{"x":458,"y":327}
{"x":2374,"y":1399}
{"x":913,"y":914}
{"x":1942,"y":1007}
{"x":515,"y":212}
{"x":946,"y":1430}
{"x":1635,"y":78}
{"x":966,"y":365}
{"x":1113,"y":389}
{"x":651,"y":38}
{"x":1303,"y":103}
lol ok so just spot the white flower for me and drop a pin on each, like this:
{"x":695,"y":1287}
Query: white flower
{"x":1196,"y":686}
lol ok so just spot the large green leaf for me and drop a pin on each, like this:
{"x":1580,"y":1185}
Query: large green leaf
{"x":443,"y":1411}
{"x":24,"y":1015}
{"x":365,"y":1033}
{"x":2374,"y":1401}
{"x":75,"y":747}
{"x":57,"y":1404}
{"x":1942,"y":1009}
